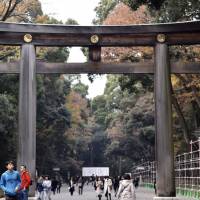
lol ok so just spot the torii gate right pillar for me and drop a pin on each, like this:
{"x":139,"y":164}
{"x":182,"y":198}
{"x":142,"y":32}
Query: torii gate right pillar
{"x":165,"y":179}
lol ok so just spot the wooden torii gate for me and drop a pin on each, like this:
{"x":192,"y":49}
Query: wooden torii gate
{"x":159,"y":36}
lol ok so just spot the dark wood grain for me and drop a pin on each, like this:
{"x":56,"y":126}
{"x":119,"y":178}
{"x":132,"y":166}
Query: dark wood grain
{"x":95,"y":54}
{"x":178,"y":27}
{"x":26,"y":154}
{"x":101,"y":68}
{"x":165,"y":182}
{"x":132,"y":35}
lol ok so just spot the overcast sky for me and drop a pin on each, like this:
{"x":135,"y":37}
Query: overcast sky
{"x":80,"y":10}
{"x":83,"y":12}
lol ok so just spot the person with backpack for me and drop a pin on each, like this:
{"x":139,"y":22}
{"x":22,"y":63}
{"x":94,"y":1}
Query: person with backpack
{"x":126,"y":189}
{"x":25,"y":183}
{"x":10,"y":182}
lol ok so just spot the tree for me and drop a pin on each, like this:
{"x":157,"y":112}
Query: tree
{"x":19,"y":10}
{"x":81,"y":89}
{"x":103,"y":9}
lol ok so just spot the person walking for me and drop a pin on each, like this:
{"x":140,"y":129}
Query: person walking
{"x":126,"y":189}
{"x":54,"y":185}
{"x":154,"y":185}
{"x":80,"y":185}
{"x":71,"y":186}
{"x":10,"y":182}
{"x":100,"y":188}
{"x":25,"y":183}
{"x":108,"y":188}
{"x":46,"y":188}
{"x":116,"y":184}
{"x":39,"y":187}
{"x":59,"y":186}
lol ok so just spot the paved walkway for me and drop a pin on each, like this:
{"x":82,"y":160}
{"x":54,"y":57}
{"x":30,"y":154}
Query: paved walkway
{"x":89,"y":194}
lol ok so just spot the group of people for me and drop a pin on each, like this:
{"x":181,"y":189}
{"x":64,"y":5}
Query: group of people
{"x":73,"y":182}
{"x":15,"y":185}
{"x":124,"y":187}
{"x":45,"y":186}
{"x":121,"y":187}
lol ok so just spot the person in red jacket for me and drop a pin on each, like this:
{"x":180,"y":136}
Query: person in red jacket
{"x":25,"y":183}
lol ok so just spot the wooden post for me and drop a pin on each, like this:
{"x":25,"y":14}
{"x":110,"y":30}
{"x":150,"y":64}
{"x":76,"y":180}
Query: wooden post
{"x":27,"y":112}
{"x":165,"y":181}
{"x":95,"y":53}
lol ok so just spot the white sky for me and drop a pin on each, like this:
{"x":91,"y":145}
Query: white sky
{"x":97,"y":87}
{"x":83,"y":12}
{"x":80,"y":10}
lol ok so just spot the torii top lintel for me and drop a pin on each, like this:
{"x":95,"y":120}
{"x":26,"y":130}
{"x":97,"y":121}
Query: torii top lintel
{"x":180,"y":33}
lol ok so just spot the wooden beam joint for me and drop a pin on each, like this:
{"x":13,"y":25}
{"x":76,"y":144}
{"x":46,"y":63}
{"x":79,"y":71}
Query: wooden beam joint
{"x":95,"y":53}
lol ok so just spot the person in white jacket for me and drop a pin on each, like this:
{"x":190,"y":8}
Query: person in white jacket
{"x":126,"y":189}
{"x":46,"y":188}
{"x":108,"y":187}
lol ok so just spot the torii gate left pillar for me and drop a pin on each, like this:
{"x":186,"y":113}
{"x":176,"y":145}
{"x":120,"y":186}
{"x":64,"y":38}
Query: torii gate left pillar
{"x":27,"y":112}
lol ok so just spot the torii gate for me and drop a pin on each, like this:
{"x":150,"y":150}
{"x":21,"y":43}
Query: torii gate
{"x":159,"y":36}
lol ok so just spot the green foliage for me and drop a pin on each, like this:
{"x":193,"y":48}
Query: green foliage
{"x":103,"y":9}
{"x":178,"y":10}
{"x":81,"y":88}
{"x":53,"y":119}
{"x":57,"y":54}
{"x":136,"y":83}
{"x":161,"y":10}
{"x":71,"y":21}
{"x":8,"y":128}
{"x":127,"y":118}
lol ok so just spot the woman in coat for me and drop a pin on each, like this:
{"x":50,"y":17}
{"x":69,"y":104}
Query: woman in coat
{"x":126,"y":189}
{"x":108,"y":188}
{"x":100,"y":187}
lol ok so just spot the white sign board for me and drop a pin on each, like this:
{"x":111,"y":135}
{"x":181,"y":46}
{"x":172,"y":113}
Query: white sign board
{"x":95,"y":171}
{"x":56,"y":169}
{"x":140,"y":168}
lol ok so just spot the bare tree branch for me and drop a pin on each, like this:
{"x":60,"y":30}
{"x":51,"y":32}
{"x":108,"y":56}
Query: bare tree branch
{"x":11,"y":7}
{"x":4,"y":17}
{"x":4,"y":7}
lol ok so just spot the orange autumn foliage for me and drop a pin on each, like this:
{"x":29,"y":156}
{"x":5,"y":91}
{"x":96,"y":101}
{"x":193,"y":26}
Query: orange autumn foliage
{"x":123,"y":15}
